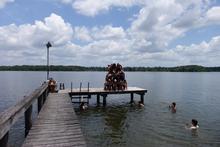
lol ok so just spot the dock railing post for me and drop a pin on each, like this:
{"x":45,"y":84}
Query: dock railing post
{"x":40,"y":102}
{"x":80,"y":87}
{"x":4,"y":140}
{"x":88,"y":86}
{"x":71,"y":87}
{"x":45,"y":94}
{"x":28,"y":120}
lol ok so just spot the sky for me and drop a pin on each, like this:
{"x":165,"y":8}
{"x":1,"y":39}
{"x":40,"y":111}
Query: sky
{"x":101,"y":32}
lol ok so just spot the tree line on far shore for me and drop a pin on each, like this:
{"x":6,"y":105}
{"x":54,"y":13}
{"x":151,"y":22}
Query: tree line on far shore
{"x":187,"y":68}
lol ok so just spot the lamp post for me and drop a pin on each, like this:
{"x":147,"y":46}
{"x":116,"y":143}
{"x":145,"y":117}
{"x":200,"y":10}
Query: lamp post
{"x":48,"y":45}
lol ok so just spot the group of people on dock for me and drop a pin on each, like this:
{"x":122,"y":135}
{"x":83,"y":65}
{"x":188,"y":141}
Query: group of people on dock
{"x":115,"y":78}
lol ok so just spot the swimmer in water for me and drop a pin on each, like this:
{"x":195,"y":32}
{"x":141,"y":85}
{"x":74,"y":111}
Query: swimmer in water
{"x":173,"y":107}
{"x":83,"y":106}
{"x":140,"y":104}
{"x":194,"y":125}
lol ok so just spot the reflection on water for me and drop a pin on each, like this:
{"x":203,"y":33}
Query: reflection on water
{"x":112,"y":122}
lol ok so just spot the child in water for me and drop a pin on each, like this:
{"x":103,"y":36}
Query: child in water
{"x":140,"y":104}
{"x":194,"y":125}
{"x":83,"y":106}
{"x":173,"y":107}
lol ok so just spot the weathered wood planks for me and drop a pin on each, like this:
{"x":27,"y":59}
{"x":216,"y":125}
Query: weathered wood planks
{"x":24,"y":107}
{"x":57,"y":125}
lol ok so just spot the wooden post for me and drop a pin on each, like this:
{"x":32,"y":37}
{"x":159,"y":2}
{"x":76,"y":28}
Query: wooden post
{"x":44,"y":96}
{"x":28,"y":120}
{"x":88,"y":86}
{"x":71,"y":87}
{"x":89,"y":96}
{"x":104,"y":99}
{"x":142,"y":98}
{"x":80,"y":87}
{"x":40,"y":102}
{"x":60,"y":86}
{"x":63,"y":86}
{"x":4,"y":140}
{"x":132,"y":98}
{"x":98,"y":99}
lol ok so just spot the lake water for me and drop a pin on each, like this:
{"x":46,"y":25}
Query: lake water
{"x":118,"y":124}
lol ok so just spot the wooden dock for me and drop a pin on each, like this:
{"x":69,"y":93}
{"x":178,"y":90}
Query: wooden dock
{"x":56,"y":125}
{"x":104,"y":93}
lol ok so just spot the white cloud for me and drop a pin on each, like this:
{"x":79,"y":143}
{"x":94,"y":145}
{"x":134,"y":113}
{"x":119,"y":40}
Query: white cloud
{"x":213,"y":15}
{"x":4,"y":2}
{"x":94,"y":7}
{"x":30,"y":39}
{"x":52,"y":28}
{"x":82,"y":34}
{"x":160,"y":22}
{"x":108,"y":32}
{"x":144,"y":43}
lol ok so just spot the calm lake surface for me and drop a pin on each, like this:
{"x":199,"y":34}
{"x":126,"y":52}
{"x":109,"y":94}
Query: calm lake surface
{"x":118,"y":124}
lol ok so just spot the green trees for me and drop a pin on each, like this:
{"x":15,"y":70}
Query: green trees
{"x":187,"y":68}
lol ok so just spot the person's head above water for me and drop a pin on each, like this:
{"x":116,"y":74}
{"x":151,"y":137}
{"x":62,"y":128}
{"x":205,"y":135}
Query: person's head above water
{"x":174,"y":104}
{"x":194,"y":122}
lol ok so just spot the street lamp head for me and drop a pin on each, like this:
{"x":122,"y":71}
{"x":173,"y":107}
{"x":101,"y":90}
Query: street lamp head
{"x":48,"y":44}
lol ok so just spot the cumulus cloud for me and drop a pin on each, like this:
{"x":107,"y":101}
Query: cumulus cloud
{"x":156,"y":25}
{"x":92,"y":8}
{"x":213,"y":15}
{"x":160,"y":22}
{"x":144,"y":43}
{"x":30,"y":39}
{"x":4,"y":2}
{"x":82,"y":34}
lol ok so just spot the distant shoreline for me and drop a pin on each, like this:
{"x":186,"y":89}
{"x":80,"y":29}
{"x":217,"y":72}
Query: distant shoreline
{"x":187,"y":68}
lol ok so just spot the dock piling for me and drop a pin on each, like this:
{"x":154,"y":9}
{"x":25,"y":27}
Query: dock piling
{"x":132,"y":98}
{"x":98,"y":99}
{"x":142,"y":98}
{"x":104,"y":99}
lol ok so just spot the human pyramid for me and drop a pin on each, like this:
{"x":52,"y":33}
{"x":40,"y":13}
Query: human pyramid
{"x":115,"y":78}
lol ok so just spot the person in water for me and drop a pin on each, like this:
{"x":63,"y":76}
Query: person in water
{"x":194,"y":125}
{"x":140,"y":104}
{"x":83,"y":106}
{"x":173,"y":107}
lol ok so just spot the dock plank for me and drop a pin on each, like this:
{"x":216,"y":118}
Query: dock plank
{"x":57,"y":125}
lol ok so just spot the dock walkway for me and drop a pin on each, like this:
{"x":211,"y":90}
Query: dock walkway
{"x":57,"y":125}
